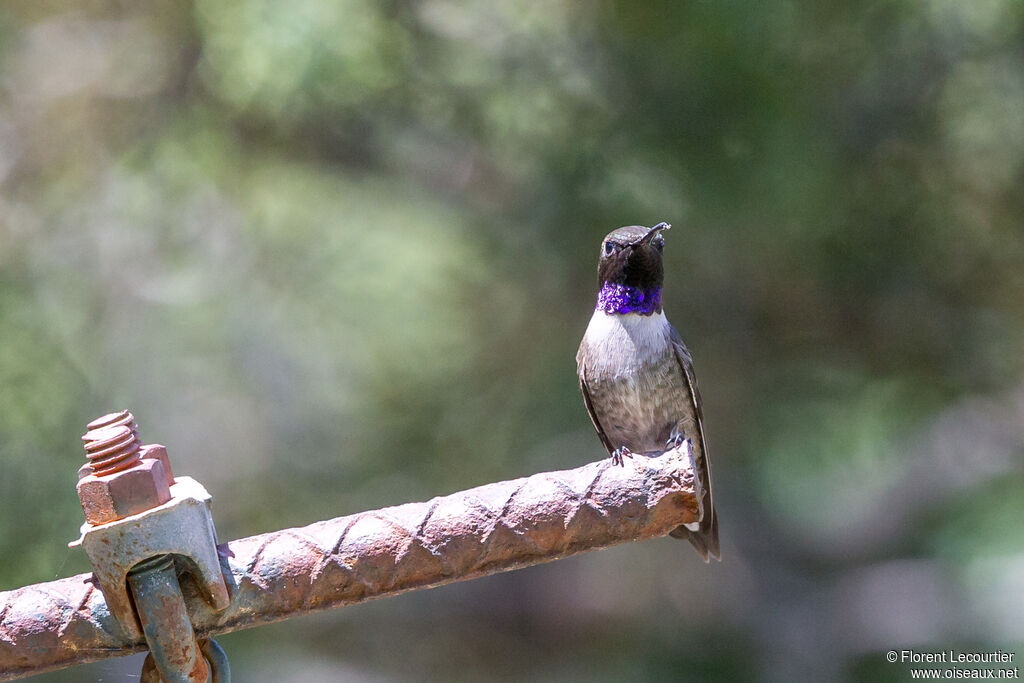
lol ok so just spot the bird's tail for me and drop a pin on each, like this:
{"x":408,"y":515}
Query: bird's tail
{"x":705,"y":537}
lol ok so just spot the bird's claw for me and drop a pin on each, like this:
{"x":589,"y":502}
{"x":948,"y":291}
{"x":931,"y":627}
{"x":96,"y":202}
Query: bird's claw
{"x":619,"y":453}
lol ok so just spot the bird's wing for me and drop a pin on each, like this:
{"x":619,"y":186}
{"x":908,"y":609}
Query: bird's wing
{"x":705,"y":539}
{"x":582,"y":372}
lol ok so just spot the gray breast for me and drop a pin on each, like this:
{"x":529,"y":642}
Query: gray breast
{"x":640,"y":409}
{"x":637,"y":389}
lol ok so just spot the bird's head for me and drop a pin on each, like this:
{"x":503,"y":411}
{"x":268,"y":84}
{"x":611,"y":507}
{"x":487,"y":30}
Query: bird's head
{"x":631,"y":256}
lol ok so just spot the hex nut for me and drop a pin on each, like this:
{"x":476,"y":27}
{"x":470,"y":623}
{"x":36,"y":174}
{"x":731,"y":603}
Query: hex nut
{"x":158,"y":452}
{"x":114,"y":496}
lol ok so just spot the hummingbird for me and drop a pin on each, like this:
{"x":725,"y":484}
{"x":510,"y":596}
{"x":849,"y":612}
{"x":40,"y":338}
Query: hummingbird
{"x":636,"y":374}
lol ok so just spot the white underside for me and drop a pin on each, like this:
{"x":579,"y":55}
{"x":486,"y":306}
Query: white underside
{"x":621,"y":344}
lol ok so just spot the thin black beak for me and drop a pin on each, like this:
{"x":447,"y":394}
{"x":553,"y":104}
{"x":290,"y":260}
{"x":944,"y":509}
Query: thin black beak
{"x":646,"y":239}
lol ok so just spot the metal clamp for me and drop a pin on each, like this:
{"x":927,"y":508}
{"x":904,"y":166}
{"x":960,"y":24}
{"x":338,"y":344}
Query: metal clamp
{"x":142,"y":526}
{"x":183,"y":526}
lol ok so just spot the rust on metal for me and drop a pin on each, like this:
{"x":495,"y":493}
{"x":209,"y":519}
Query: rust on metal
{"x":183,"y":527}
{"x":107,"y":498}
{"x":121,"y":418}
{"x":111,"y":449}
{"x":379,"y":553}
{"x":165,"y":622}
{"x":217,"y":667}
{"x":118,"y":480}
{"x":154,"y":451}
{"x":140,"y":523}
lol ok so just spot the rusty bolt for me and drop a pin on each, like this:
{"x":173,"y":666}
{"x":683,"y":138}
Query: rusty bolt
{"x":122,"y":418}
{"x":121,"y":477}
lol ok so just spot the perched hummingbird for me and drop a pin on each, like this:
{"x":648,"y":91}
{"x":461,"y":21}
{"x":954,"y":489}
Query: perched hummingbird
{"x":636,"y":374}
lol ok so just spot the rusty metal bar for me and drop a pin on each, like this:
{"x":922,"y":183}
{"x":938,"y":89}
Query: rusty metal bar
{"x":379,"y":553}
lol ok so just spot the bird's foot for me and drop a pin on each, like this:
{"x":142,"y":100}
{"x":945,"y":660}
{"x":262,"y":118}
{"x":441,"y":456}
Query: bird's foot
{"x":619,"y":453}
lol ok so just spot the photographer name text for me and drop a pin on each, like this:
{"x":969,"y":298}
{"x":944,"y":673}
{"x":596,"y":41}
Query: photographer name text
{"x":956,"y":657}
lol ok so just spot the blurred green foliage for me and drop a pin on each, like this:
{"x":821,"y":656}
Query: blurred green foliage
{"x":338,"y":254}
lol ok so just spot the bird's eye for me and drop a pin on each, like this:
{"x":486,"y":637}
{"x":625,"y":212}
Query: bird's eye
{"x":609,"y":247}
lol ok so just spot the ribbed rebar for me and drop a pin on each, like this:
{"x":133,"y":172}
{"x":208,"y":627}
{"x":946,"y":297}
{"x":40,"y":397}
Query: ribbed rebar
{"x":374,"y":554}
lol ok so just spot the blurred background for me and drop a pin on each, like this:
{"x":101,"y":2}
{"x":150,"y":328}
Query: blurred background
{"x":338,"y":255}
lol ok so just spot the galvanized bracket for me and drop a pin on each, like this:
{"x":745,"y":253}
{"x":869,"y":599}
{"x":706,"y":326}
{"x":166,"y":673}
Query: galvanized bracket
{"x":182,"y":527}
